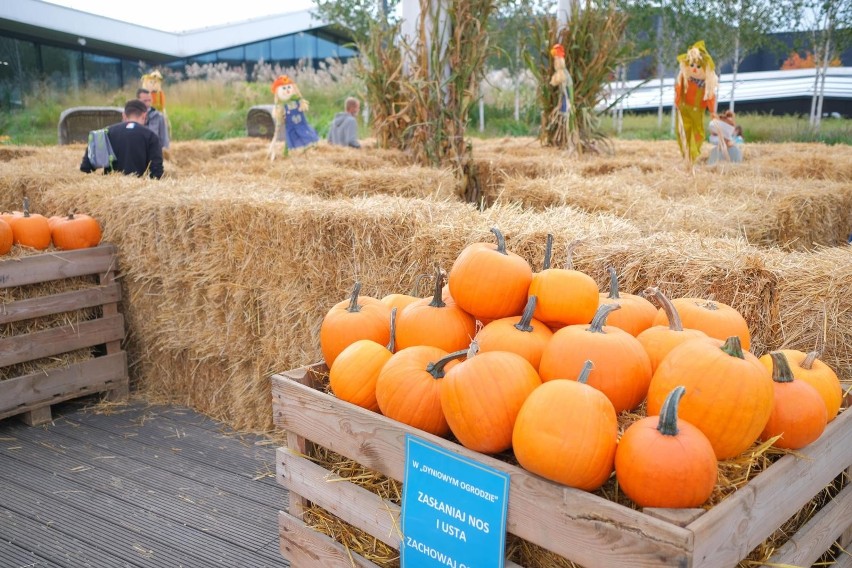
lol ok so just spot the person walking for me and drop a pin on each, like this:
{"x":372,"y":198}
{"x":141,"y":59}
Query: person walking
{"x":137,"y":148}
{"x":344,"y":127}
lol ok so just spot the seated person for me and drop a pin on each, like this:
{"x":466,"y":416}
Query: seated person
{"x":137,"y":149}
{"x":344,"y":127}
{"x":722,"y":135}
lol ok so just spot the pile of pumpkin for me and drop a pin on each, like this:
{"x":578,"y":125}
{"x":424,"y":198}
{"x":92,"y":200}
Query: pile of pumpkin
{"x":552,"y":363}
{"x":35,"y":231}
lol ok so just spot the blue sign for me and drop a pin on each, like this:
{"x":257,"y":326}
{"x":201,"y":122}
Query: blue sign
{"x":453,"y":510}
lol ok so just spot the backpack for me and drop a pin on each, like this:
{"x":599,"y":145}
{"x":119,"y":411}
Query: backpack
{"x":100,"y":152}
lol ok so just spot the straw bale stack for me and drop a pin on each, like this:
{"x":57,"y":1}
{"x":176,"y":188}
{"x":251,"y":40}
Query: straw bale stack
{"x":241,"y":276}
{"x":229,"y":265}
{"x":727,"y":204}
{"x":815,"y":305}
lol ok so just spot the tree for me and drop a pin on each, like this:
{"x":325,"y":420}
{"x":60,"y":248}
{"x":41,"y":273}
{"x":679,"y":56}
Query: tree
{"x":357,"y":15}
{"x":829,"y":23}
{"x":661,"y":29}
{"x":735,"y":28}
{"x":510,"y":31}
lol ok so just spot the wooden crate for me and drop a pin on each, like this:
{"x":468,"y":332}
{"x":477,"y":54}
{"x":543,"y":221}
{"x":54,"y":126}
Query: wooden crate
{"x":577,"y":525}
{"x":31,"y":395}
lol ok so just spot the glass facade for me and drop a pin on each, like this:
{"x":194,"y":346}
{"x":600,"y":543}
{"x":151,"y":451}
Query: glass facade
{"x":27,"y":64}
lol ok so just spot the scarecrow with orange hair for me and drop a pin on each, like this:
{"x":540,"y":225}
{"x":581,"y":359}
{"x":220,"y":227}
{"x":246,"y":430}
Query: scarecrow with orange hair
{"x":695,"y":92}
{"x":289,"y":115}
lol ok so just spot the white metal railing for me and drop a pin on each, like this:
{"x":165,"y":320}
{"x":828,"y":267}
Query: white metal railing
{"x":756,"y":86}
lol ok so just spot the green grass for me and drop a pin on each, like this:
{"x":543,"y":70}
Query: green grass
{"x":207,"y":110}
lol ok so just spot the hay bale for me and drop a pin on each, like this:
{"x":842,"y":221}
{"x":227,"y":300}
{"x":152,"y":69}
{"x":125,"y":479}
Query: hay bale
{"x":815,"y":306}
{"x":76,"y":122}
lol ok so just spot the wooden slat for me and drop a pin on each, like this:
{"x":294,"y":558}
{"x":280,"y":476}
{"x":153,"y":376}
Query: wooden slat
{"x":307,"y":548}
{"x":51,"y":386}
{"x":49,"y":342}
{"x":818,"y":534}
{"x":48,"y":541}
{"x":583,"y":527}
{"x":355,"y":505}
{"x":345,"y":500}
{"x":56,"y":265}
{"x":59,"y":303}
{"x":70,"y":477}
{"x":731,"y":529}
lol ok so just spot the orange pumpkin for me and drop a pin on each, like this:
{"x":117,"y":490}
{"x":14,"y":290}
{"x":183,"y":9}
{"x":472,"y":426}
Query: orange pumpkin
{"x":566,"y":431}
{"x":6,"y":237}
{"x":636,"y":314}
{"x":433,"y":321}
{"x":713,"y":318}
{"x":658,"y":340}
{"x":359,"y":317}
{"x":355,"y":371}
{"x":728,"y":392}
{"x":401,"y":300}
{"x":74,"y":231}
{"x":809,"y":368}
{"x":481,"y":397}
{"x":29,"y":229}
{"x":663,"y":462}
{"x":622,"y":369}
{"x":489,"y":282}
{"x":565,"y":296}
{"x":798,"y":414}
{"x":409,"y":385}
{"x":525,"y":336}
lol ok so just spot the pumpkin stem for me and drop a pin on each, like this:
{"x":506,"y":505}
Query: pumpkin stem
{"x":392,"y":343}
{"x":613,"y":284}
{"x":569,"y":261}
{"x":527,"y":316}
{"x":548,"y":252}
{"x":418,"y":280}
{"x":710,"y":305}
{"x":585,"y":372}
{"x":501,"y":240}
{"x":438,"y":298}
{"x":436,"y":369}
{"x":667,"y":426}
{"x":781,"y":371}
{"x":353,"y":299}
{"x":599,"y":321}
{"x":733,"y":347}
{"x":70,"y":216}
{"x":808,"y":363}
{"x":26,"y":206}
{"x":675,"y":323}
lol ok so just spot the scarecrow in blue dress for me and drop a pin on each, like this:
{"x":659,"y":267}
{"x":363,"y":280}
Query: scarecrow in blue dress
{"x":289,"y":115}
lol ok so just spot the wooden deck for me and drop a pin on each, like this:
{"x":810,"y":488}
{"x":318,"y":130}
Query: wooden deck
{"x":137,"y":486}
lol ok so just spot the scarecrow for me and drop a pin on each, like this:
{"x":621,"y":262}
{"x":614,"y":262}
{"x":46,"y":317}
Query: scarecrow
{"x":562,"y":115}
{"x":695,"y":92}
{"x":289,"y":114}
{"x":153,"y":82}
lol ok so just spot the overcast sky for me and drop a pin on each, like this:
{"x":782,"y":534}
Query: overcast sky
{"x":182,"y":15}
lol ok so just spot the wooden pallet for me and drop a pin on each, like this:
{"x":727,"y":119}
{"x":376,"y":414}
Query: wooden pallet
{"x":577,"y":525}
{"x":30,"y":396}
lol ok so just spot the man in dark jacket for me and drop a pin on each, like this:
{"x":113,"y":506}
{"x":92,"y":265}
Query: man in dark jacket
{"x":137,"y":149}
{"x":344,"y":128}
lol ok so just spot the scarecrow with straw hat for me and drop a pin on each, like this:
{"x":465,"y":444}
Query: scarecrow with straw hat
{"x":695,"y":92}
{"x":153,"y":82}
{"x":289,"y":115}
